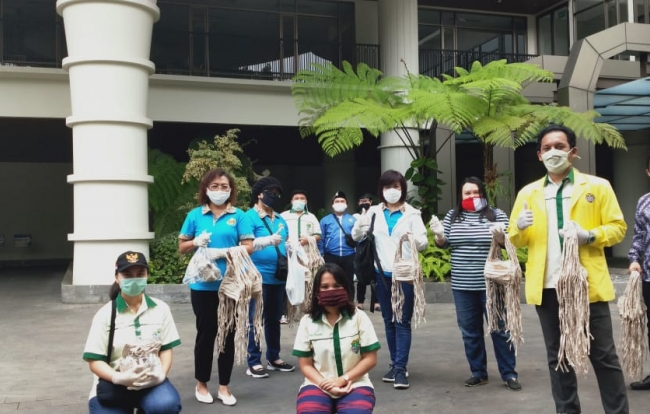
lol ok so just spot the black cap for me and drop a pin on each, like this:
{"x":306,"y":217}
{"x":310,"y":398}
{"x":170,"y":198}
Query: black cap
{"x":130,"y":259}
{"x":298,"y":191}
{"x":264,"y":183}
{"x":366,"y":195}
{"x":339,"y":194}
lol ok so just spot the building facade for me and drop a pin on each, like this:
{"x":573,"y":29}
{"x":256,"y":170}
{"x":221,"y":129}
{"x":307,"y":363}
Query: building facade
{"x":227,"y":63}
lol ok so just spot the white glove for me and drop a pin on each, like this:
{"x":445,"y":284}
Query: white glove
{"x":583,"y":235}
{"x":525,"y":218}
{"x":151,"y":380}
{"x":265,"y":241}
{"x":498,"y":231}
{"x":130,"y":377}
{"x":202,"y":239}
{"x":216,"y":253}
{"x":436,"y":228}
{"x":364,"y":222}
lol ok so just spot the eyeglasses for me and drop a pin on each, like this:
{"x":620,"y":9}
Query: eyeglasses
{"x":216,"y":187}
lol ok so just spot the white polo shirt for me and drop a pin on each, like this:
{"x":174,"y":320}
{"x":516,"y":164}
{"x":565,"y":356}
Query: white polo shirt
{"x":336,"y":349}
{"x":305,"y":224}
{"x":153,"y":320}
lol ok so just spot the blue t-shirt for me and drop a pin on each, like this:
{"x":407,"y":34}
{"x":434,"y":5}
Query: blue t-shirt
{"x":266,"y":260}
{"x":226,"y":231}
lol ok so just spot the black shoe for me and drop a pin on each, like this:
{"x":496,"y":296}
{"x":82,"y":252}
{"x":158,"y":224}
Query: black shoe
{"x":641,"y":385}
{"x":475,"y":382}
{"x":390,"y":375}
{"x":401,"y":379}
{"x":513,"y":384}
{"x":257,"y":371}
{"x":280,"y":366}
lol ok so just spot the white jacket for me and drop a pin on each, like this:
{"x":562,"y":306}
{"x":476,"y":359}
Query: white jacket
{"x":411,"y":221}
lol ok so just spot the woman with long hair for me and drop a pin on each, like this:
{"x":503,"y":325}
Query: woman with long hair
{"x":336,"y":346}
{"x":468,"y":229}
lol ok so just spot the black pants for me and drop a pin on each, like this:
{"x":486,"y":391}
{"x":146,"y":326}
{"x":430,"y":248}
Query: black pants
{"x":564,"y":385}
{"x":204,"y":305}
{"x":347,"y":264}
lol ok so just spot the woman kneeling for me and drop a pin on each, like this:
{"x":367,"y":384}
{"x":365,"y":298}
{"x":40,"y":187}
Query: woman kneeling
{"x":336,"y":346}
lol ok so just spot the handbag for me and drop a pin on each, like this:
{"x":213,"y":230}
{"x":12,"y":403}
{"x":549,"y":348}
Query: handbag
{"x":364,"y":259}
{"x":498,"y":270}
{"x":405,"y":269}
{"x":282,"y":269}
{"x":109,"y":394}
{"x":348,"y":237}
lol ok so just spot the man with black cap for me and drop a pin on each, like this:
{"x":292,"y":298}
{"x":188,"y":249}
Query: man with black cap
{"x":271,"y":233}
{"x":336,"y":243}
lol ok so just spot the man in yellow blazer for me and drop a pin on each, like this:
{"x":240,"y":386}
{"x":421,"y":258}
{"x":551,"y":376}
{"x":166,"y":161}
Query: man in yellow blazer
{"x":540,"y":213}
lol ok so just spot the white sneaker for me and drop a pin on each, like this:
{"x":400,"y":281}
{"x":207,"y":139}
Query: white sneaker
{"x":284,"y":320}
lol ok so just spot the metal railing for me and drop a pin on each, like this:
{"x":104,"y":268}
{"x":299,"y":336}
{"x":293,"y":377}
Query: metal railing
{"x":435,"y":62}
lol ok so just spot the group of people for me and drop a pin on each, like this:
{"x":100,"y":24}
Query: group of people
{"x":336,"y":345}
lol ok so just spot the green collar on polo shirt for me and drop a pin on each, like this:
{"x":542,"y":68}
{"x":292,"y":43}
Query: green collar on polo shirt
{"x":120,"y":304}
{"x":571,"y":178}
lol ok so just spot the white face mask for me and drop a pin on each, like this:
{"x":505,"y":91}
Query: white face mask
{"x":339,"y":207}
{"x":218,"y":197}
{"x":298,"y":205}
{"x":556,"y":161}
{"x":392,"y":195}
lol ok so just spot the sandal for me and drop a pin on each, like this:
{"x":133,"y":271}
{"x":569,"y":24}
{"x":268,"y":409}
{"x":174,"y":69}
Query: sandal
{"x":360,"y":306}
{"x":377,"y":308}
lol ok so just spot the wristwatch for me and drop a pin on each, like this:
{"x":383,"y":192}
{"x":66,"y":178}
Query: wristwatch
{"x":591,"y":238}
{"x":346,"y":377}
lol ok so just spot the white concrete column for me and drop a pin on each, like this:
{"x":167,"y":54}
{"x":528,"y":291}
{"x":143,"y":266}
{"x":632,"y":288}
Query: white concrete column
{"x":109,"y":42}
{"x":398,"y":43}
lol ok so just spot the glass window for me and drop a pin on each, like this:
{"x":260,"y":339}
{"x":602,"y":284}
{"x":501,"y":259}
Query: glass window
{"x":585,"y":4}
{"x":428,"y":16}
{"x":320,"y":7}
{"x":430,"y":37}
{"x":318,"y":40}
{"x":170,"y":46}
{"x":622,"y":11}
{"x":561,"y":32}
{"x":545,"y":35}
{"x":486,"y":21}
{"x":267,"y":5}
{"x":243,"y":52}
{"x":30,"y":32}
{"x":447,"y":18}
{"x":589,"y":22}
{"x":640,"y":11}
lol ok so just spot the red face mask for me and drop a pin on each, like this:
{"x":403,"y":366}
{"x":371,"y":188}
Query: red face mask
{"x":333,"y":297}
{"x":474,"y":204}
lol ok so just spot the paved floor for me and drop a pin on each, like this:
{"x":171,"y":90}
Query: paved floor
{"x":41,"y":370}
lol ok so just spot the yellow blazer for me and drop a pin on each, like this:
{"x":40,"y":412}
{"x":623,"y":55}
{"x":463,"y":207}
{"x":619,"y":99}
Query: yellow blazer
{"x":595,"y":208}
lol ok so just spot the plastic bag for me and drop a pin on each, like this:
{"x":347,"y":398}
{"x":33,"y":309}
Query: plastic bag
{"x":143,"y":354}
{"x":296,"y":277}
{"x":201,"y":268}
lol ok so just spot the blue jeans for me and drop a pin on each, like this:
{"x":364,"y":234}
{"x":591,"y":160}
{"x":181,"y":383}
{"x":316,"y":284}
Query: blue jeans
{"x":161,"y":399}
{"x":398,"y":334}
{"x":273,"y":297}
{"x":470,"y":313}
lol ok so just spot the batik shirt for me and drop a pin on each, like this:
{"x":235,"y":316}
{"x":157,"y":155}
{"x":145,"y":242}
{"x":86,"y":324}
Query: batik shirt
{"x":640,"y":249}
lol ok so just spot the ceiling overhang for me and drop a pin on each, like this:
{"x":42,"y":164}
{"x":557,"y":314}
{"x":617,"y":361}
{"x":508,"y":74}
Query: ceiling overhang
{"x":626,"y":106}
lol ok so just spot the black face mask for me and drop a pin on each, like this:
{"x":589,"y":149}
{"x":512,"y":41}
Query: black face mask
{"x":364,"y":206}
{"x":269,"y":198}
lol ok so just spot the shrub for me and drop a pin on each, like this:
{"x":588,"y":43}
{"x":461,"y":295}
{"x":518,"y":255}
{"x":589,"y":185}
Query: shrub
{"x":167,"y":265}
{"x":436,"y":262}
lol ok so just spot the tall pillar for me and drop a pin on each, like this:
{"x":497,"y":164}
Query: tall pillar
{"x":109,"y":42}
{"x":398,"y":46}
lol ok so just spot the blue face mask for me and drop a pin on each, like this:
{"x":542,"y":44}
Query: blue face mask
{"x":133,"y":286}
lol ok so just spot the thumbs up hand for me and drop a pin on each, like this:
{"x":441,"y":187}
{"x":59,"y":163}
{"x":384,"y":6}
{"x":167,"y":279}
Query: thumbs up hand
{"x":436,"y":227}
{"x":525,"y":218}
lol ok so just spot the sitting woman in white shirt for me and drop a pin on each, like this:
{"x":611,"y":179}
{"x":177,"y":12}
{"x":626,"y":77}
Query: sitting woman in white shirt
{"x":336,"y":346}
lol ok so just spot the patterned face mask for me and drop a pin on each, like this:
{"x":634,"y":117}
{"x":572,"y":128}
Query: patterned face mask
{"x":474,"y":204}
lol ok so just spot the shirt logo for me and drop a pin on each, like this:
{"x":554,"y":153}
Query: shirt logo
{"x":590,"y":198}
{"x":231,"y":222}
{"x":355,"y":346}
